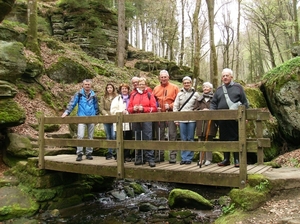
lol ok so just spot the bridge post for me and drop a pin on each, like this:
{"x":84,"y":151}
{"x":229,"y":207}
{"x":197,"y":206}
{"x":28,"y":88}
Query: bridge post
{"x":242,"y":145}
{"x":41,"y":141}
{"x":259,"y":134}
{"x":120,"y":145}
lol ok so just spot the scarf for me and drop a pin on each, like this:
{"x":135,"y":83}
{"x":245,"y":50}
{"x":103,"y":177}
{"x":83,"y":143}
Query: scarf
{"x":125,"y":99}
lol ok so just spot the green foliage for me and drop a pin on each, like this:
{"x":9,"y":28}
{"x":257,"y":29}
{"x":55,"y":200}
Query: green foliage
{"x":228,"y":209}
{"x":294,"y":162}
{"x":262,"y":186}
{"x":289,"y":70}
{"x":73,"y":5}
{"x":31,"y":92}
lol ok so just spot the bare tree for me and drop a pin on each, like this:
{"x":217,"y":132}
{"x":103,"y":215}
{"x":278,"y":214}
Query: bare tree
{"x":32,"y":41}
{"x":296,"y":25}
{"x":213,"y":54}
{"x":196,"y":70}
{"x":121,"y":33}
{"x":237,"y":46}
{"x":182,"y":32}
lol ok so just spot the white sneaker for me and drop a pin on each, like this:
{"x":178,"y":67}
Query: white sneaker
{"x":207,"y":162}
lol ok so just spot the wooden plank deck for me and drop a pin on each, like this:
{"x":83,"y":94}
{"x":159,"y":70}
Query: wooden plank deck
{"x":213,"y":174}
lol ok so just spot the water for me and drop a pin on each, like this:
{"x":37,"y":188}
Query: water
{"x":108,"y":210}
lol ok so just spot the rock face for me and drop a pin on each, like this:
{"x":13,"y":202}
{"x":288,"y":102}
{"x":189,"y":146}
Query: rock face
{"x":281,"y":88}
{"x":5,"y":8}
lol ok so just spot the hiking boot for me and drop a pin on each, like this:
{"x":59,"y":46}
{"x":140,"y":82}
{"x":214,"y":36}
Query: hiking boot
{"x":89,"y":156}
{"x":138,"y":162}
{"x":79,"y":157}
{"x":172,"y":159}
{"x":109,"y":156}
{"x":128,"y":159}
{"x":152,"y":164}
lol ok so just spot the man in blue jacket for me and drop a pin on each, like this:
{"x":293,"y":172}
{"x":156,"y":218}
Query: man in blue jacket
{"x":87,"y":106}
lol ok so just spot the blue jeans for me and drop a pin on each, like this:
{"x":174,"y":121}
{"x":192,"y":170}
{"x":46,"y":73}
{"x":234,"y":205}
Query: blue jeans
{"x":110,"y":134}
{"x":80,"y":135}
{"x":187,"y":131}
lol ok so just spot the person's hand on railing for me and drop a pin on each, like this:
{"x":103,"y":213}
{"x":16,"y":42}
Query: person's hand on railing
{"x":64,"y":114}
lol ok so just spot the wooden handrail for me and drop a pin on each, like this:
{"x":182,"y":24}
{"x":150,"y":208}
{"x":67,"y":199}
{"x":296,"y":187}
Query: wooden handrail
{"x":242,"y":115}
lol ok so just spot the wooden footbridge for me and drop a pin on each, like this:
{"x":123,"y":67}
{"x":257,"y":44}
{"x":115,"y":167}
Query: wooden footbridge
{"x":214,"y":175}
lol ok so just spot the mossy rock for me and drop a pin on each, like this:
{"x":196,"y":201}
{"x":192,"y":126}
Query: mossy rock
{"x":179,"y":198}
{"x":137,"y":188}
{"x":248,"y":198}
{"x":68,"y":71}
{"x":11,"y":114}
{"x":16,"y":203}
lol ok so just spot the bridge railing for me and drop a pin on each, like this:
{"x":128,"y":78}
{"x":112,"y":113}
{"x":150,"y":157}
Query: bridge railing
{"x":243,"y":145}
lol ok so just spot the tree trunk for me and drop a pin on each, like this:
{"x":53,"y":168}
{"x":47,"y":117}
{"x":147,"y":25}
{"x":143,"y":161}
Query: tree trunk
{"x":121,"y":33}
{"x":182,"y":33}
{"x":296,"y":25}
{"x":196,"y":72}
{"x":213,"y":54}
{"x":237,"y":68}
{"x":32,"y":41}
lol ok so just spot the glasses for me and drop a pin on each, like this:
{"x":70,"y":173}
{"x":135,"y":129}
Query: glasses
{"x":185,"y":83}
{"x":142,"y":84}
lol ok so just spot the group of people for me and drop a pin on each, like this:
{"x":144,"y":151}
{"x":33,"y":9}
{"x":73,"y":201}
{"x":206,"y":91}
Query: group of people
{"x":165,"y":97}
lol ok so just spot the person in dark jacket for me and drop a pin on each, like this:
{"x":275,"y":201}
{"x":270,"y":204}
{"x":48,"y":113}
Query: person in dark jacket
{"x":228,"y":129}
{"x":205,"y":130}
{"x":87,"y":106}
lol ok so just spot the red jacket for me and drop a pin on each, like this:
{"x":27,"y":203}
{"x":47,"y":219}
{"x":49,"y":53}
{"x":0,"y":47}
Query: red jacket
{"x":146,"y":100}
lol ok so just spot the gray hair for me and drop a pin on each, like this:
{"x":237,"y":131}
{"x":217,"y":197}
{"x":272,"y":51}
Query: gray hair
{"x":164,"y":72}
{"x":228,"y":70}
{"x":87,"y":80}
{"x":208,"y":84}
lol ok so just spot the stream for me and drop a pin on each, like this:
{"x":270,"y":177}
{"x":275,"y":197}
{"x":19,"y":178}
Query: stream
{"x":115,"y":207}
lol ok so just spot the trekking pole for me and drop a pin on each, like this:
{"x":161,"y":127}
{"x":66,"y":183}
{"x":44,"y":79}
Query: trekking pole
{"x":142,"y":151}
{"x":135,"y":150}
{"x":199,"y":140}
{"x":206,"y":136}
{"x":159,"y":141}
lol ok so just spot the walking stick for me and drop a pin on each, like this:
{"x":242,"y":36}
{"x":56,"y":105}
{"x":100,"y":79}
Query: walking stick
{"x":199,"y":139}
{"x":206,"y":138}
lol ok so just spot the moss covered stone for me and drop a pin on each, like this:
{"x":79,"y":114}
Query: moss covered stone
{"x":68,"y":71}
{"x":137,"y":188}
{"x":11,"y":114}
{"x":16,"y":203}
{"x":179,"y":198}
{"x":248,"y":198}
{"x":20,"y":146}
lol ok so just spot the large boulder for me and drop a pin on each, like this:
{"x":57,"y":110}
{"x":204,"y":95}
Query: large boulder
{"x":180,"y":198}
{"x":12,"y":61}
{"x":20,"y":146}
{"x":16,"y":203}
{"x":68,"y":71}
{"x":5,"y":8}
{"x":11,"y":114}
{"x":281,"y":87}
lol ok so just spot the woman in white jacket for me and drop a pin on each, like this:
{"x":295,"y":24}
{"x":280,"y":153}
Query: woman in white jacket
{"x":185,"y":101}
{"x":120,"y":104}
